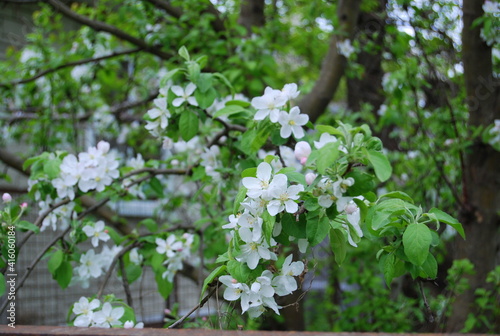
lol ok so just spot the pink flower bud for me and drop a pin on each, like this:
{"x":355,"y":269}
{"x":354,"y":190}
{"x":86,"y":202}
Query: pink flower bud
{"x":24,"y":205}
{"x":310,"y":177}
{"x":168,"y":311}
{"x":351,"y":208}
{"x":6,"y":198}
{"x":302,"y":151}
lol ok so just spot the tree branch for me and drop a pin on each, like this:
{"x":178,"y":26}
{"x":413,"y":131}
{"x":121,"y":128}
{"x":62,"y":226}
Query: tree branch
{"x":198,"y":306}
{"x":70,"y":64}
{"x":102,"y":26}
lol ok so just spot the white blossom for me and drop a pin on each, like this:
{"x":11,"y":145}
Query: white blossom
{"x":96,"y":233}
{"x":184,"y":95}
{"x":269,"y":104}
{"x":292,"y":123}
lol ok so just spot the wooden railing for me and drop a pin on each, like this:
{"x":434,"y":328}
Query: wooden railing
{"x":75,"y":331}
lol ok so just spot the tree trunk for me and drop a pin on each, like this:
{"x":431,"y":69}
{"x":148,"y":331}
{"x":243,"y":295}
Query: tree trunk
{"x":252,"y":14}
{"x":314,"y":104}
{"x":368,"y":88}
{"x":481,"y":183}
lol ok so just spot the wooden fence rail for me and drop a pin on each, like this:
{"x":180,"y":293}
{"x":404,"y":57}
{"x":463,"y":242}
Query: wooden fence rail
{"x":75,"y":331}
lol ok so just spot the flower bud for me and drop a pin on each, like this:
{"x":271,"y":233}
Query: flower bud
{"x":103,"y":146}
{"x":6,"y":198}
{"x":351,"y":208}
{"x":310,"y":177}
{"x":24,"y":205}
{"x":302,"y":151}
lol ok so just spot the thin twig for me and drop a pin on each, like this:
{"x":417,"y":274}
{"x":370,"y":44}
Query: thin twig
{"x":198,"y":306}
{"x":428,"y":311}
{"x":102,"y":26}
{"x":126,"y":285}
{"x":112,"y":266}
{"x":70,"y":64}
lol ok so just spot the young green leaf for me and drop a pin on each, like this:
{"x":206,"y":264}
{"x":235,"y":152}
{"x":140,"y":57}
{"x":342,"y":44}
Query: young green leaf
{"x":188,"y":125}
{"x":338,"y":243}
{"x":215,"y":273}
{"x":445,"y":218}
{"x":381,"y":165}
{"x":417,"y":239}
{"x":55,"y":261}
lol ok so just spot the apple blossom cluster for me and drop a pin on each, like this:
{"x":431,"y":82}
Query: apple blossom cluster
{"x":273,"y":104}
{"x":92,"y":265}
{"x":90,"y":313}
{"x":330,"y":192}
{"x":160,"y":114}
{"x":259,"y":295}
{"x":176,"y":250}
{"x":91,"y":170}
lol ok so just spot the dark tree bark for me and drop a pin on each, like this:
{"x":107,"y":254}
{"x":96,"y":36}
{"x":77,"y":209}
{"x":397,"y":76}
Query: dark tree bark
{"x":481,"y":184}
{"x":332,"y":69}
{"x":368,"y":89}
{"x":252,"y":14}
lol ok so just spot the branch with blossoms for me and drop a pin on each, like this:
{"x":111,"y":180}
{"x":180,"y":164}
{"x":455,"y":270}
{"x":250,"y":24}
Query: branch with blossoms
{"x":215,"y":173}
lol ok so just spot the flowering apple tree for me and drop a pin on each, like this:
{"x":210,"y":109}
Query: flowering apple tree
{"x":259,"y":178}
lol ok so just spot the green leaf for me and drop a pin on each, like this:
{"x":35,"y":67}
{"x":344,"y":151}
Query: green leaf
{"x":205,"y":99}
{"x":328,"y":129}
{"x":268,"y":226}
{"x":317,"y":228}
{"x":228,"y":110}
{"x":204,"y":82}
{"x":55,"y":261}
{"x":338,"y":243}
{"x":25,"y":225}
{"x":150,"y":224}
{"x":296,"y":177}
{"x":63,"y":274}
{"x":417,"y":239}
{"x":430,"y":266}
{"x":292,"y":227}
{"x":386,"y":212}
{"x":167,"y":76}
{"x":225,"y":81}
{"x":51,"y":168}
{"x":241,"y":103}
{"x":188,"y":125}
{"x":30,"y":161}
{"x":215,"y":273}
{"x":242,"y":193}
{"x":445,"y":218}
{"x":156,"y":186}
{"x":399,"y":195}
{"x":381,"y":165}
{"x":133,"y":272}
{"x":238,"y":270}
{"x":193,"y":71}
{"x":327,"y":155}
{"x":164,"y":287}
{"x":183,"y":52}
{"x":388,"y":268}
